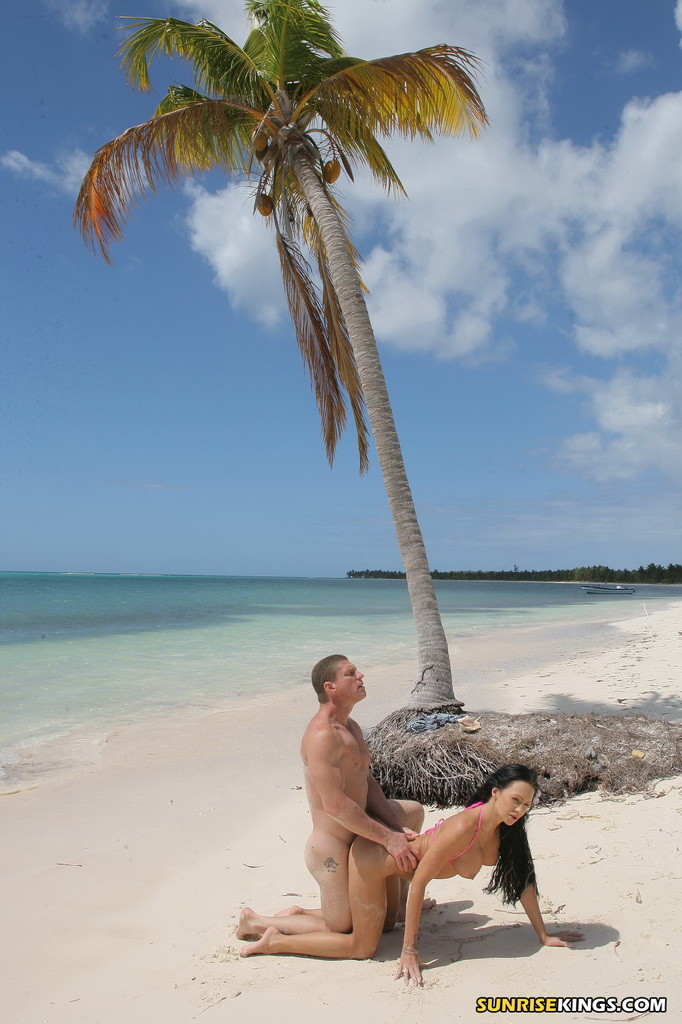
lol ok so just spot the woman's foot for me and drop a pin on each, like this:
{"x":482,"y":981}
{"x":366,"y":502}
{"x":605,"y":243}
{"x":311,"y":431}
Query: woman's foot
{"x":262,"y":946}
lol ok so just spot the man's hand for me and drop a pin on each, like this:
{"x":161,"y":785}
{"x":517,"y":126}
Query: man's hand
{"x":401,"y":851}
{"x":409,"y":834}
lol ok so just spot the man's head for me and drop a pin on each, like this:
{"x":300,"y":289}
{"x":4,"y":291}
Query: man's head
{"x":336,"y":674}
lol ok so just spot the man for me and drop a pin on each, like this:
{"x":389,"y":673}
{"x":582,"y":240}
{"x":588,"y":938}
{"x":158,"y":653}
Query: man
{"x":345,"y":801}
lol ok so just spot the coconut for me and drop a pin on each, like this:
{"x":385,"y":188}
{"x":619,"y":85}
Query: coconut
{"x":264,"y":204}
{"x":331,"y":171}
{"x":260,"y":144}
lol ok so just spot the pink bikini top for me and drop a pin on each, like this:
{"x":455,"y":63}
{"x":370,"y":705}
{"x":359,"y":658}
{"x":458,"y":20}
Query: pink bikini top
{"x":474,"y":837}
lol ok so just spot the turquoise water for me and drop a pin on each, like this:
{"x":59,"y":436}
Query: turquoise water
{"x":81,"y":650}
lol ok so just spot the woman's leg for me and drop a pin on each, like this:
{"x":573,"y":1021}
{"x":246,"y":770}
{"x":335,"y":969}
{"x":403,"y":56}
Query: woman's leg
{"x":251,"y":925}
{"x":369,"y":867}
{"x":393,"y":898}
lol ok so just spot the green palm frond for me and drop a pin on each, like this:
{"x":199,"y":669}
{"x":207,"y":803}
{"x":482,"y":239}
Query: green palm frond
{"x":221,"y":66}
{"x":313,"y":341}
{"x":362,"y":147}
{"x":255,"y":49}
{"x":289,"y":93}
{"x":165,"y":148}
{"x":298,"y":36}
{"x":411,"y":94}
{"x":179,"y":96}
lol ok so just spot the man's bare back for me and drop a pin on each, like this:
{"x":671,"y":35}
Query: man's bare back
{"x":344,"y":799}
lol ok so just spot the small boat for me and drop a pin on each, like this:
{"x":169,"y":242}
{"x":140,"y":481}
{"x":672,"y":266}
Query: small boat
{"x":607,"y":588}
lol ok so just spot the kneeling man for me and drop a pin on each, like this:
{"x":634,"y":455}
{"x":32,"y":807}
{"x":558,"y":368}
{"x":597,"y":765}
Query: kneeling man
{"x":345,"y":801}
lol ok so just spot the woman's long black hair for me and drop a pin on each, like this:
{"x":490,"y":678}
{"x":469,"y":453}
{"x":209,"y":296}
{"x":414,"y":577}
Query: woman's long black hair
{"x":514,"y":870}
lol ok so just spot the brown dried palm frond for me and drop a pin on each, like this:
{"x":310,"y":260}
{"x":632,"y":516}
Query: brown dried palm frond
{"x":311,"y":335}
{"x":165,"y":148}
{"x":571,"y":753}
{"x":344,"y":358}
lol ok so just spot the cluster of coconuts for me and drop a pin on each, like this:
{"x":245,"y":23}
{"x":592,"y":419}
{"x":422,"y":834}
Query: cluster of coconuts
{"x":261,"y":143}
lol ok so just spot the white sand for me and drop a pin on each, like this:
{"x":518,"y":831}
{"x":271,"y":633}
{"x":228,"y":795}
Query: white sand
{"x":121,"y":888}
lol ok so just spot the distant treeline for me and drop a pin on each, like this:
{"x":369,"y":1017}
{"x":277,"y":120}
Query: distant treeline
{"x":585,"y":574}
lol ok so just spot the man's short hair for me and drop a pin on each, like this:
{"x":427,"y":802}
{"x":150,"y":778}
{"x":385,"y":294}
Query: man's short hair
{"x":325,"y":672}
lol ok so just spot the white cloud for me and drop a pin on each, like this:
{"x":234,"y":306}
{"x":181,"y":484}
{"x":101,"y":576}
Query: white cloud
{"x":678,"y":16}
{"x":227,"y":14}
{"x":630,"y":61}
{"x":65,"y":175}
{"x":496,"y":229}
{"x":240,"y":251}
{"x":640,"y":425}
{"x":80,"y":15}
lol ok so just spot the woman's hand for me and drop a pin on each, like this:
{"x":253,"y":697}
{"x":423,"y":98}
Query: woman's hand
{"x":409,"y":968}
{"x":562,"y":938}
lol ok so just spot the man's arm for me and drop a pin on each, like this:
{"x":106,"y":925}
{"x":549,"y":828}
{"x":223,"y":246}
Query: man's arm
{"x":379,"y":807}
{"x":327,"y":779}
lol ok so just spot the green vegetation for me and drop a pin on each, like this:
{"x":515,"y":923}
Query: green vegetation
{"x":585,"y":574}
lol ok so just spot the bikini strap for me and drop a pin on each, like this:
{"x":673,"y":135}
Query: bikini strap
{"x":475,"y":835}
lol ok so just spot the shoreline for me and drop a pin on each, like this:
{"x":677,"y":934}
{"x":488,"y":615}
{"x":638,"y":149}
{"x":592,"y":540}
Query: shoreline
{"x":122,"y":886}
{"x":486,"y":660}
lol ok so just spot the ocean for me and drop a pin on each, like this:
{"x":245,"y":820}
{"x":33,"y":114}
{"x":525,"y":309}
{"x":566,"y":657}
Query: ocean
{"x":99,"y":650}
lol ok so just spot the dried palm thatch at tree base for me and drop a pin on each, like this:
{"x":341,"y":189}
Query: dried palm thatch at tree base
{"x":571,"y":754}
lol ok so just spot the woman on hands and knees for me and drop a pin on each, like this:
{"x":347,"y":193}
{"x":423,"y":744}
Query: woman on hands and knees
{"x":490,"y":831}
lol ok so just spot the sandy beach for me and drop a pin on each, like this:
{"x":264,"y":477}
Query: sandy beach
{"x":122,"y":886}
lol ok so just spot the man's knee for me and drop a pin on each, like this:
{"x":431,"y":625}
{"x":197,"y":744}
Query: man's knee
{"x":337,"y":922}
{"x":363,"y":949}
{"x":335,"y":904}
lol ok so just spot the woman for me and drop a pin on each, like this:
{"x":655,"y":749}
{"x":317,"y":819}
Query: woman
{"x":490,"y":831}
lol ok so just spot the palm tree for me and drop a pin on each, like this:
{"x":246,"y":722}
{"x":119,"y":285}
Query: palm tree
{"x":289,"y":109}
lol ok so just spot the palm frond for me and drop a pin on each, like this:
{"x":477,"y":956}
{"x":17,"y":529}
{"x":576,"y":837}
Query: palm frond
{"x":413,"y":94}
{"x":165,"y":148}
{"x":344,"y":358}
{"x":299,"y":38}
{"x":362,"y":147}
{"x":311,"y":335}
{"x":179,"y":96}
{"x":220,"y":65}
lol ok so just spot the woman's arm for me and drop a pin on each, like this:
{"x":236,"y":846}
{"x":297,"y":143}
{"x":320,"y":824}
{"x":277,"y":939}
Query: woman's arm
{"x":529,"y":902}
{"x":409,"y":967}
{"x":457,"y":833}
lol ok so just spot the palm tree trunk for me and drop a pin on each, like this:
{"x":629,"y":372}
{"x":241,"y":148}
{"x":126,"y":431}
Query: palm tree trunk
{"x":433,"y":685}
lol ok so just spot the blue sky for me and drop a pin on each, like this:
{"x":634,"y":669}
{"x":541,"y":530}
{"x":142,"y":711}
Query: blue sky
{"x":527,"y":301}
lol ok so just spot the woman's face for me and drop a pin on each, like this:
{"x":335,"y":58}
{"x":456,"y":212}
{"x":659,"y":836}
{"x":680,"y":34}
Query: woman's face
{"x":514,"y":800}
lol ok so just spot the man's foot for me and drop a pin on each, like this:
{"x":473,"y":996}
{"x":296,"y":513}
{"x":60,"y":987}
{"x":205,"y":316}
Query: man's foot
{"x":263,"y":944}
{"x":249,"y":926}
{"x":289,"y":911}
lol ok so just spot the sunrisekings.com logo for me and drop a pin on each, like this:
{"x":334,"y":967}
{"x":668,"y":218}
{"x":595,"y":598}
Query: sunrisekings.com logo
{"x":571,"y":1004}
